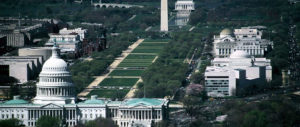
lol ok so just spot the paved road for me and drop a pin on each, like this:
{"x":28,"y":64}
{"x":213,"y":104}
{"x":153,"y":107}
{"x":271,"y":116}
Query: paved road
{"x":117,"y":61}
{"x":123,"y":76}
{"x":130,"y":94}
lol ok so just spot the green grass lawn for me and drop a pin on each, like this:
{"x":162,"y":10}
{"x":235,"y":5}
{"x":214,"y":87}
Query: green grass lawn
{"x":152,"y":44}
{"x":126,"y":73}
{"x":109,"y":93}
{"x":156,"y":40}
{"x":146,"y":50}
{"x":138,"y":56}
{"x":123,"y":64}
{"x":118,"y":82}
{"x":149,"y":47}
{"x":137,"y":60}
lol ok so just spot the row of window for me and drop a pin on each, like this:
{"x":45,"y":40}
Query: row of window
{"x":57,"y":68}
{"x":91,"y":116}
{"x":7,"y":116}
{"x":65,"y":79}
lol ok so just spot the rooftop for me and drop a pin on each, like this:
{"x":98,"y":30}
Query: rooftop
{"x":144,"y":101}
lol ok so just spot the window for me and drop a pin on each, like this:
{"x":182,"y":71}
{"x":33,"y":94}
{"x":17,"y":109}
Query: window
{"x":91,"y":116}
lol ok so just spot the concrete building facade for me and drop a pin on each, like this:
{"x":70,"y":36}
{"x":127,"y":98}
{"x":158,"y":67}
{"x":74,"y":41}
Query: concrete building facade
{"x":227,"y":76}
{"x":23,"y":68}
{"x":246,"y":39}
{"x":81,"y":32}
{"x":45,"y":52}
{"x":67,"y":43}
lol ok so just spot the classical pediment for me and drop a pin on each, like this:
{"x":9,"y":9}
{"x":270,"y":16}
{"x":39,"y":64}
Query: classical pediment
{"x":51,"y":106}
{"x":140,"y":105}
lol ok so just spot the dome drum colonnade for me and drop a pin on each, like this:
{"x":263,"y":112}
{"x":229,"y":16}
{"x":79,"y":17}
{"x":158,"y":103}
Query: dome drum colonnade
{"x":55,"y":81}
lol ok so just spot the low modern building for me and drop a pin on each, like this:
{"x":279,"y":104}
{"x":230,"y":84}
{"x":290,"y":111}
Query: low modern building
{"x":36,"y":51}
{"x":18,"y":34}
{"x":81,"y":32}
{"x":67,"y":43}
{"x":23,"y":68}
{"x":56,"y":97}
{"x":246,"y":39}
{"x":3,"y":44}
{"x":15,"y":38}
{"x":227,"y":76}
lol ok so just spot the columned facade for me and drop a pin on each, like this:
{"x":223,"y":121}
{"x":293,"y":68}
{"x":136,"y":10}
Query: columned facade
{"x":55,"y":85}
{"x":245,"y":39}
{"x":56,"y":97}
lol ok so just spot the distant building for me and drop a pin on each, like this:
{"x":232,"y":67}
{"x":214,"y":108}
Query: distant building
{"x":184,"y":9}
{"x":36,"y":51}
{"x":23,"y":68}
{"x":229,"y":75}
{"x":55,"y":97}
{"x":67,"y":43}
{"x":185,"y":5}
{"x":15,"y":38}
{"x":90,"y":46}
{"x":245,"y":39}
{"x":18,"y":36}
{"x":3,"y":44}
{"x":81,"y":32}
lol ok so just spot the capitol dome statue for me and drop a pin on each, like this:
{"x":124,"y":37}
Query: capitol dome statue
{"x":55,"y":84}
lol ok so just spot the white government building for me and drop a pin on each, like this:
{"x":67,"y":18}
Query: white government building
{"x":247,"y":39}
{"x":56,"y":97}
{"x":68,"y":40}
{"x":184,"y":9}
{"x":227,"y":76}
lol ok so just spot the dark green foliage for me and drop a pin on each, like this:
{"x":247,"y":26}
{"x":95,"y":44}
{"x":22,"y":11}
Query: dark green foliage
{"x":99,"y":122}
{"x":278,"y":112}
{"x":107,"y":93}
{"x":126,"y":73}
{"x":48,"y":121}
{"x":28,"y":91}
{"x":10,"y":123}
{"x":118,"y":82}
{"x":83,"y":71}
{"x":166,"y":75}
{"x":137,"y":56}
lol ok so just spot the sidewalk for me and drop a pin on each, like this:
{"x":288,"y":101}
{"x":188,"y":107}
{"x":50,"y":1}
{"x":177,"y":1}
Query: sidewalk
{"x":117,"y":61}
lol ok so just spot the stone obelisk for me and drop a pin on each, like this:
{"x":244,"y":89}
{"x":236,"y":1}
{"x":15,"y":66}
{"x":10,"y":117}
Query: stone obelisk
{"x":164,"y":16}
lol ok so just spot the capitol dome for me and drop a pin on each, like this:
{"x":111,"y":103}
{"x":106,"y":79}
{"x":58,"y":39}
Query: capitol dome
{"x":225,"y":32}
{"x":55,"y":84}
{"x":239,"y":54}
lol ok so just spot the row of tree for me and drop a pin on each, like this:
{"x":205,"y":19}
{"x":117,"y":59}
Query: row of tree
{"x":48,"y":121}
{"x":83,"y":71}
{"x":168,"y":73}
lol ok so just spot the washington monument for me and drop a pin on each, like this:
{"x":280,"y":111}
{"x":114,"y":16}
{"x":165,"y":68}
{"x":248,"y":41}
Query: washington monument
{"x":164,"y":15}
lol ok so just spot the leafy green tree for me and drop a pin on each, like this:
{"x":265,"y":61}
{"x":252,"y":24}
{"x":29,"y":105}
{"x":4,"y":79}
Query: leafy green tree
{"x":48,"y":121}
{"x":10,"y":123}
{"x":255,"y":118}
{"x":100,"y":122}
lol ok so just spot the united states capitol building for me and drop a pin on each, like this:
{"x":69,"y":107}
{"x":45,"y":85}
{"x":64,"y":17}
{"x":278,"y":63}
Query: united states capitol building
{"x":56,"y":97}
{"x":247,"y":39}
